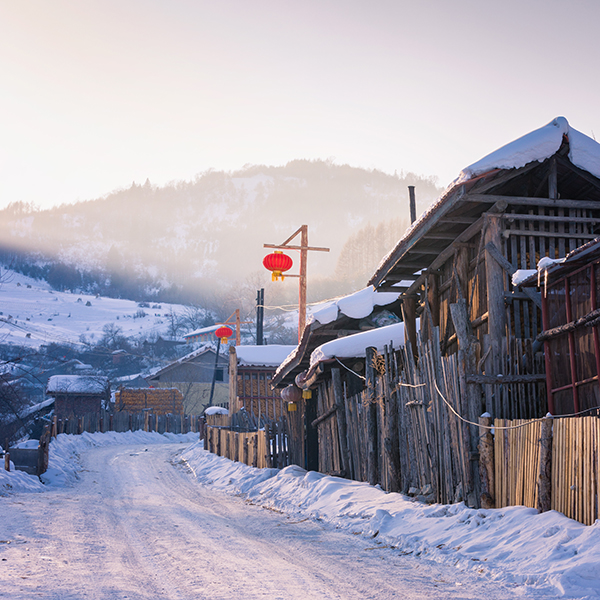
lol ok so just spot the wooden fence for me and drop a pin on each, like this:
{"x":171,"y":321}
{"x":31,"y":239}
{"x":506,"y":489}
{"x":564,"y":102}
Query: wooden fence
{"x":265,"y":448}
{"x":122,"y":421}
{"x":573,"y":464}
{"x":399,"y":432}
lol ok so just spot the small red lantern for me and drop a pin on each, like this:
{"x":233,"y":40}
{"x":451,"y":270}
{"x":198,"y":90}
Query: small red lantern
{"x":277,"y":262}
{"x":224,"y":332}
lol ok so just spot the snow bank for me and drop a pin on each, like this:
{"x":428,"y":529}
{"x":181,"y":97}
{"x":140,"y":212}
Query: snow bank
{"x":516,"y":544}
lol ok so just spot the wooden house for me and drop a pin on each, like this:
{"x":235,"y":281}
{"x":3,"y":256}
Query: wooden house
{"x":78,"y":395}
{"x":340,"y":320}
{"x":571,"y":319}
{"x":251,"y":370}
{"x":193,"y":375}
{"x":536,"y":197}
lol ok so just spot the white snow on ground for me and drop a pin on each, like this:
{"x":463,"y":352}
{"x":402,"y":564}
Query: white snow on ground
{"x":513,"y":544}
{"x":548,"y":553}
{"x":31,"y":307}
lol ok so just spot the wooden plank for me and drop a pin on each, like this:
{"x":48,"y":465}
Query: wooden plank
{"x":528,"y":201}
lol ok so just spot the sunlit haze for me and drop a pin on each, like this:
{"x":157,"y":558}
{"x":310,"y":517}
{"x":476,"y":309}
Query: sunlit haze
{"x":97,"y":94}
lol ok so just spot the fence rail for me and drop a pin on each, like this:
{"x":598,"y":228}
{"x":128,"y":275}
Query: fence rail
{"x":124,"y":421}
{"x":265,"y":448}
{"x":574,"y":463}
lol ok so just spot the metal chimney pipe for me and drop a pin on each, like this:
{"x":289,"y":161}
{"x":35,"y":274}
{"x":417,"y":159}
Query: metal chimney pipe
{"x":413,"y":204}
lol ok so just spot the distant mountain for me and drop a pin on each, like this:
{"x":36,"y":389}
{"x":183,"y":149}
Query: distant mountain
{"x":175,"y":242}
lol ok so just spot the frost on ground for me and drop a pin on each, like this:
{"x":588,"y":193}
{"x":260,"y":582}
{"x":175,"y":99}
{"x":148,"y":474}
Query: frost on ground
{"x":534,"y":555}
{"x":513,"y":545}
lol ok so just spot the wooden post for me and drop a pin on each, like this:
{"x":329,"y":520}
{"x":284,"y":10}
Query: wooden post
{"x":54,"y":426}
{"x":338,"y":395}
{"x":255,"y":450}
{"x":461,"y":262}
{"x":391,"y":442}
{"x":6,"y":455}
{"x":409,"y":315}
{"x":233,"y":382}
{"x":495,"y":301}
{"x":545,"y":477}
{"x":486,"y":462}
{"x":372,"y":449}
{"x":303,"y":271}
{"x":433,"y":298}
{"x":467,"y":364}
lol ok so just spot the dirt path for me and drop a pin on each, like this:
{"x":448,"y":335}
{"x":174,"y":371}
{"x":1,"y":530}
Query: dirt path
{"x":138,"y":527}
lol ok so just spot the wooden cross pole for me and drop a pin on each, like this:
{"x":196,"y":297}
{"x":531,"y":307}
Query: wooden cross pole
{"x":303,"y":248}
{"x":237,"y":324}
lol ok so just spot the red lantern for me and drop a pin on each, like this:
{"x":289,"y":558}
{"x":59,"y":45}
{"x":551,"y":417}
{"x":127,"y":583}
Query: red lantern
{"x":277,"y":262}
{"x":224,"y":332}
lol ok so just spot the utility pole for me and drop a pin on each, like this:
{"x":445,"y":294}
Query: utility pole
{"x":303,"y":248}
{"x":260,"y":315}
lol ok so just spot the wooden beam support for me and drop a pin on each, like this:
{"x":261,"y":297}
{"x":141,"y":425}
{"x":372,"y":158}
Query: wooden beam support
{"x":551,"y":234}
{"x":494,"y":253}
{"x":528,"y":201}
{"x":495,"y":291}
{"x":409,"y":316}
{"x":372,"y":433}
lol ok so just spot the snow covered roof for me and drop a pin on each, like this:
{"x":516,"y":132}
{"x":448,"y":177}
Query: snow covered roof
{"x":534,"y":147}
{"x":538,"y":145}
{"x":202,"y":331}
{"x":262,"y":356}
{"x":198,"y":352}
{"x":77,"y":384}
{"x":354,"y":346}
{"x":356,"y":306}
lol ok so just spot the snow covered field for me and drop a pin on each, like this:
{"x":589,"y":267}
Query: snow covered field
{"x":325,"y":536}
{"x":33,"y":314}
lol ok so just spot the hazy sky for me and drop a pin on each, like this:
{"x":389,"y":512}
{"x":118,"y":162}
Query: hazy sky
{"x":95,"y":94}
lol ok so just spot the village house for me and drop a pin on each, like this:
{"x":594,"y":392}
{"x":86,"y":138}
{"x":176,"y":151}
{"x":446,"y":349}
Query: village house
{"x":78,"y":395}
{"x":451,"y":277}
{"x":193,"y":376}
{"x":251,"y":370}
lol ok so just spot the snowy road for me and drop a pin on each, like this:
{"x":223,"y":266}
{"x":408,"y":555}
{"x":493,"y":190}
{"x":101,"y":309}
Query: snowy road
{"x":137,"y":526}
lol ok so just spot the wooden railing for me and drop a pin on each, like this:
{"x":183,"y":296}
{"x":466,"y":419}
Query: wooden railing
{"x":265,"y":448}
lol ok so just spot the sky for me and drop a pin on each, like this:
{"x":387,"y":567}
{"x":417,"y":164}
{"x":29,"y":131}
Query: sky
{"x":97,"y":94}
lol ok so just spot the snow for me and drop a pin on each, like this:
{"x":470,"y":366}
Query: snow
{"x":355,"y":345}
{"x":77,"y":384}
{"x":546,"y":262}
{"x":31,"y":308}
{"x":539,"y":145}
{"x":520,"y":275}
{"x":264,"y":356}
{"x":532,"y":555}
{"x":216,"y":410}
{"x":356,"y":306}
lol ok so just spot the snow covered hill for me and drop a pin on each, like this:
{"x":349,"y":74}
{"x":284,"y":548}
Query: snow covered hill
{"x":32,"y":314}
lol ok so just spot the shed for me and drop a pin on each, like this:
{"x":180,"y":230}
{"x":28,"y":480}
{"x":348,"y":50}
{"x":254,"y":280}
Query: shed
{"x":538,"y":196}
{"x":192,"y":375}
{"x":251,"y":371}
{"x":78,"y":395}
